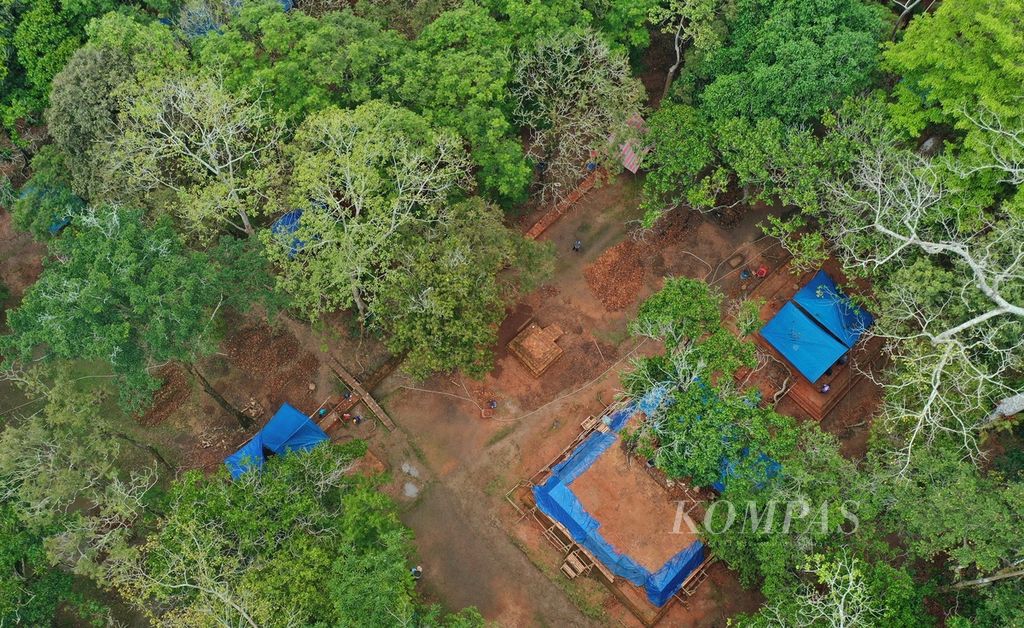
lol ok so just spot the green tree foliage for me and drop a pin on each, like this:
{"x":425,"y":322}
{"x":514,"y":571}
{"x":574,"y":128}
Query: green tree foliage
{"x":46,"y":199}
{"x":781,"y":66}
{"x":791,"y":60}
{"x":365,"y":178}
{"x":702,"y":425}
{"x":1000,"y":604}
{"x":683,"y":151}
{"x":957,"y":61}
{"x":623,"y":21}
{"x":700,"y":419}
{"x":129,"y":293}
{"x":947,"y":507}
{"x":686,"y":313}
{"x":842,"y":590}
{"x":456,"y":74}
{"x":442,"y":300}
{"x":384,"y":231}
{"x":800,"y":510}
{"x":57,"y":456}
{"x":62,"y":474}
{"x":302,"y":64}
{"x":408,"y":18}
{"x":189,"y":146}
{"x":30,"y":589}
{"x":37,"y":37}
{"x":302,"y":541}
{"x":121,"y":56}
{"x":577,"y":96}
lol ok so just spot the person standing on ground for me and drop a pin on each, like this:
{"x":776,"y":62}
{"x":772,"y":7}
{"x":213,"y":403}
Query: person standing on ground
{"x":577,"y":246}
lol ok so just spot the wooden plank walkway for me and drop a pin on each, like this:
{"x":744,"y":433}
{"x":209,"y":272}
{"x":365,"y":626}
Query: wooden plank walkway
{"x":363,"y":394}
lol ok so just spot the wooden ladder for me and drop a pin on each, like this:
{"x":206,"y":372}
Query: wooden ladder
{"x":573,"y":565}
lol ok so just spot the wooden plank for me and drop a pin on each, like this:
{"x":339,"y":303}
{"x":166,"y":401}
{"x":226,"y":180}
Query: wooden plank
{"x":365,"y":396}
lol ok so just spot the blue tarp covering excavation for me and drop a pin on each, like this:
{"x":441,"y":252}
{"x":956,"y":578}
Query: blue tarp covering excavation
{"x":807,"y":346}
{"x":556,"y":500}
{"x":728,"y":469}
{"x":833,"y":310}
{"x":288,"y":430}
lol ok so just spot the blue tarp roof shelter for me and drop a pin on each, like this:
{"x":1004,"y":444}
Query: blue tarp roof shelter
{"x":803,"y":342}
{"x":288,"y":430}
{"x":832,"y":309}
{"x":284,"y":229}
{"x":556,"y":499}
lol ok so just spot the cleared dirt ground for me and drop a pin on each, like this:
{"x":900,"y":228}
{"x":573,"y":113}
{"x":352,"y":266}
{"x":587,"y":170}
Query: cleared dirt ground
{"x":448,"y":467}
{"x":637,"y":516}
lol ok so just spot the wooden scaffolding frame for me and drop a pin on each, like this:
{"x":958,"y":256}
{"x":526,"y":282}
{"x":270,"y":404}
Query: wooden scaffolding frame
{"x":576,"y":560}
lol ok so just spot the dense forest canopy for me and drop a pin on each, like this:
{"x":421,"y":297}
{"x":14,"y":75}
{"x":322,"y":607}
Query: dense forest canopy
{"x":154,"y":147}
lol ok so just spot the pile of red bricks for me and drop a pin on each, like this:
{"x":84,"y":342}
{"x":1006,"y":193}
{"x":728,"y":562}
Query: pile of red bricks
{"x":563,"y":206}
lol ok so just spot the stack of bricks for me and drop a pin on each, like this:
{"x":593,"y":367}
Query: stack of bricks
{"x":562,"y":206}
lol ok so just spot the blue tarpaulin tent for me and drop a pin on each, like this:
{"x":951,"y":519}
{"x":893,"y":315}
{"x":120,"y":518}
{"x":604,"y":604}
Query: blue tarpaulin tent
{"x":288,"y":430}
{"x":284,"y":229}
{"x":556,"y":499}
{"x":803,"y":342}
{"x":832,"y":309}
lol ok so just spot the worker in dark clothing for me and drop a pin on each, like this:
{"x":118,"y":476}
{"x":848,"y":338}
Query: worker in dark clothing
{"x":577,"y":246}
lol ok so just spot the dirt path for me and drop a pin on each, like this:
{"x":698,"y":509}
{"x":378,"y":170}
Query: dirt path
{"x":449,"y":466}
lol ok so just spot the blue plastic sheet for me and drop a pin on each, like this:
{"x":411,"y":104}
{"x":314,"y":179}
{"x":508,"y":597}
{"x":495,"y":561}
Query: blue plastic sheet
{"x":556,"y":500}
{"x":653,"y":400}
{"x":832,"y":309}
{"x":765,"y":469}
{"x":663,"y":583}
{"x":288,"y":430}
{"x":807,"y":346}
{"x":284,"y":229}
{"x":584,"y":455}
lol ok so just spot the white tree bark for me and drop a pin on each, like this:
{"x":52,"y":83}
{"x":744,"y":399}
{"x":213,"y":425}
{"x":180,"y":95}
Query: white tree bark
{"x":215,"y":151}
{"x":577,"y":96}
{"x":955,"y":356}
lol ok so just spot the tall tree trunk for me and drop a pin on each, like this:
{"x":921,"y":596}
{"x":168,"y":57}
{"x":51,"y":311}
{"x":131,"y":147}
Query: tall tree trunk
{"x":249,"y":231}
{"x":244,"y":420}
{"x":675,"y":66}
{"x":1006,"y":408}
{"x":360,"y":304}
{"x":902,"y":19}
{"x":981,"y":582}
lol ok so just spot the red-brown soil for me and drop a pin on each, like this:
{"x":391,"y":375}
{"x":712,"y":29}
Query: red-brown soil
{"x":174,"y":392}
{"x":637,"y":515}
{"x":616,"y":276}
{"x":21,"y":259}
